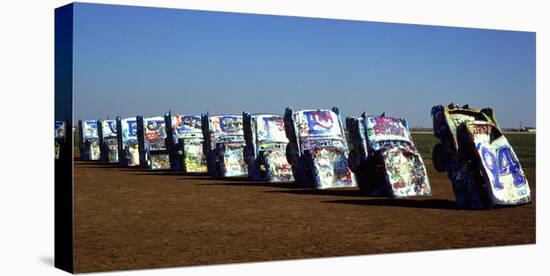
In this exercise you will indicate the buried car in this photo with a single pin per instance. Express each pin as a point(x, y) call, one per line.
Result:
point(265, 151)
point(384, 157)
point(60, 138)
point(478, 158)
point(151, 134)
point(108, 141)
point(186, 143)
point(317, 149)
point(128, 149)
point(224, 145)
point(89, 140)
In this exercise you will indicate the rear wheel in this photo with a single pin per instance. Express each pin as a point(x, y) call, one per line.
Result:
point(439, 158)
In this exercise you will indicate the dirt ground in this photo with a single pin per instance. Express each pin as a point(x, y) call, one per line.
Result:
point(129, 219)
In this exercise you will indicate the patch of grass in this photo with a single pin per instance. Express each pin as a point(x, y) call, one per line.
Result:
point(524, 146)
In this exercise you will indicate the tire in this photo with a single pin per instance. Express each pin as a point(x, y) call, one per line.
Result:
point(439, 158)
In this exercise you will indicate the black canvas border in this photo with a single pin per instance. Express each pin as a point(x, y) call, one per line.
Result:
point(63, 190)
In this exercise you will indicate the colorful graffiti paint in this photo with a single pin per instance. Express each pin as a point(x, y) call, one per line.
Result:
point(188, 128)
point(89, 143)
point(183, 124)
point(59, 130)
point(233, 163)
point(110, 143)
point(276, 166)
point(226, 124)
point(265, 148)
point(320, 122)
point(224, 145)
point(132, 154)
point(92, 149)
point(270, 128)
point(109, 129)
point(317, 149)
point(159, 161)
point(154, 143)
point(129, 141)
point(59, 137)
point(385, 158)
point(89, 129)
point(155, 133)
point(112, 150)
point(331, 168)
point(386, 129)
point(405, 172)
point(194, 160)
point(477, 157)
point(501, 167)
point(129, 130)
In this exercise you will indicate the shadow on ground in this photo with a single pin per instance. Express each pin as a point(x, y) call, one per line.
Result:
point(327, 192)
point(396, 202)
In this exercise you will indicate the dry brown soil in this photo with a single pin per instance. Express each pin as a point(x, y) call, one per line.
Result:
point(128, 219)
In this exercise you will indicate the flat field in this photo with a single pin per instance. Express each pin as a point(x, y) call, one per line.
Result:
point(129, 219)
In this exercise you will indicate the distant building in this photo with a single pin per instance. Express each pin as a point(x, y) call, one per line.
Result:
point(528, 129)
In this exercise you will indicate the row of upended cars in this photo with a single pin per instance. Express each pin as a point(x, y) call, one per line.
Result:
point(310, 148)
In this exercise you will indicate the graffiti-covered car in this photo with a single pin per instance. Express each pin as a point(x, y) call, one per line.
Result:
point(224, 145)
point(478, 158)
point(384, 157)
point(265, 151)
point(108, 141)
point(89, 140)
point(128, 148)
point(60, 138)
point(317, 149)
point(151, 133)
point(186, 143)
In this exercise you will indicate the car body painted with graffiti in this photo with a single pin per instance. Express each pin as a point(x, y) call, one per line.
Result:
point(265, 151)
point(478, 158)
point(108, 141)
point(384, 157)
point(186, 143)
point(224, 145)
point(89, 139)
point(317, 149)
point(128, 148)
point(151, 133)
point(60, 138)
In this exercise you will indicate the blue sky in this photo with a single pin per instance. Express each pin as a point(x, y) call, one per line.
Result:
point(145, 61)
